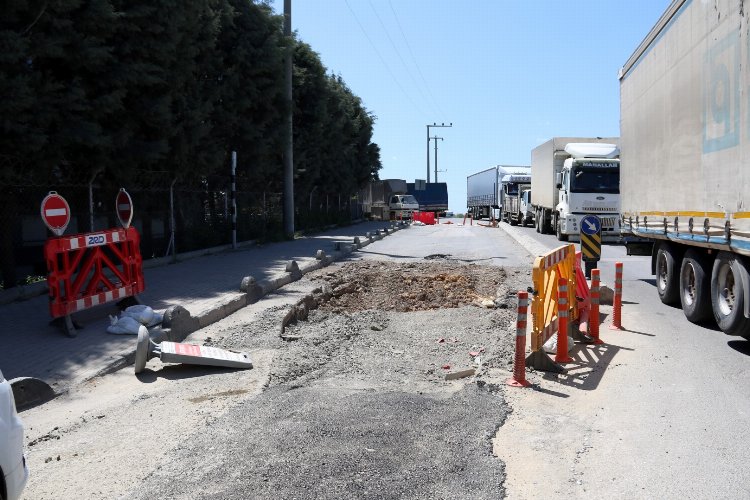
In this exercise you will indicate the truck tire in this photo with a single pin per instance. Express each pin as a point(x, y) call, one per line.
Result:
point(558, 229)
point(513, 220)
point(667, 276)
point(728, 276)
point(695, 286)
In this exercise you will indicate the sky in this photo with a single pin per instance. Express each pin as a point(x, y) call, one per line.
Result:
point(508, 75)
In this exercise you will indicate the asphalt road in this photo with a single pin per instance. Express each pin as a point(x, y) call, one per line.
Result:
point(659, 411)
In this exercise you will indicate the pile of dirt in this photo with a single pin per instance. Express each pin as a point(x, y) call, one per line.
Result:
point(412, 286)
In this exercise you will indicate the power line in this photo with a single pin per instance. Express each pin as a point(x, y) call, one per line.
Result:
point(414, 59)
point(383, 60)
point(398, 53)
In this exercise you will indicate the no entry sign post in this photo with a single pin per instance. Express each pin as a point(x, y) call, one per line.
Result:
point(124, 208)
point(55, 213)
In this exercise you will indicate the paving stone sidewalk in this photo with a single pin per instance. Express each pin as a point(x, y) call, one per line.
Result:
point(31, 347)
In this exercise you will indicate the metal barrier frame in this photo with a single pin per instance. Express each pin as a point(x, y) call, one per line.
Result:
point(548, 268)
point(82, 275)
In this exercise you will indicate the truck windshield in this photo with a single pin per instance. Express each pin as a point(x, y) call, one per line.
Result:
point(595, 180)
point(409, 199)
point(511, 188)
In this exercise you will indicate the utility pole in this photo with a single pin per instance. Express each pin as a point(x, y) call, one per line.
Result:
point(435, 138)
point(289, 139)
point(428, 147)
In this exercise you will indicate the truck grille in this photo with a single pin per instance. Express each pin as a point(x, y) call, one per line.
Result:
point(607, 221)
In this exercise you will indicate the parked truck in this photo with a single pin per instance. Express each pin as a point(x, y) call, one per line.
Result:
point(515, 200)
point(484, 191)
point(685, 127)
point(572, 177)
point(388, 199)
point(432, 197)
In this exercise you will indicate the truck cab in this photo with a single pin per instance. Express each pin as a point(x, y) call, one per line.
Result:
point(402, 206)
point(511, 187)
point(589, 183)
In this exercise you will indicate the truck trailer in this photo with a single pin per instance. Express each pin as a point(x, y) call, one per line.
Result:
point(484, 190)
point(432, 197)
point(572, 177)
point(482, 193)
point(685, 127)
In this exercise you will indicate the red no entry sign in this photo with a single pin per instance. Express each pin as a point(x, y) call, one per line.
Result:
point(55, 213)
point(124, 208)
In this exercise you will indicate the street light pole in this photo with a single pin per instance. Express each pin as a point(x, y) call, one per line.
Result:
point(428, 147)
point(435, 138)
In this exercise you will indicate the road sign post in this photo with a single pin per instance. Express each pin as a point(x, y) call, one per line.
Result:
point(173, 352)
point(55, 213)
point(591, 242)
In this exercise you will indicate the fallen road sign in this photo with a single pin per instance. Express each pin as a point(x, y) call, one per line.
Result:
point(173, 352)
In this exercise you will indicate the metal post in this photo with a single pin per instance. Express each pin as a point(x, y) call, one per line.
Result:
point(234, 200)
point(172, 243)
point(428, 154)
point(91, 199)
point(289, 146)
point(435, 138)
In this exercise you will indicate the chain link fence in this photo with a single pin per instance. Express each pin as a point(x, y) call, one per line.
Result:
point(172, 217)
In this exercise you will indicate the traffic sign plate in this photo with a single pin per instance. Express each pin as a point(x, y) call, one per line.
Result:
point(55, 213)
point(124, 208)
point(591, 225)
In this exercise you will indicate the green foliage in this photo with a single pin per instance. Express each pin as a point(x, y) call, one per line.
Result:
point(130, 91)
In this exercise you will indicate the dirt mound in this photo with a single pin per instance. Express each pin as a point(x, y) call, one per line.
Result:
point(412, 286)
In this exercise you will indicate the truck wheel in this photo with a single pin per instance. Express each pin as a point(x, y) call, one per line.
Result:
point(513, 220)
point(695, 287)
point(667, 278)
point(558, 229)
point(728, 294)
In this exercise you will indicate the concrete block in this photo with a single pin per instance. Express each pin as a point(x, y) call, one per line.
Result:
point(29, 392)
point(293, 269)
point(606, 295)
point(179, 322)
point(357, 243)
point(253, 291)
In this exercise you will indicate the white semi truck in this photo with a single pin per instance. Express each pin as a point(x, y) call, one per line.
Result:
point(685, 127)
point(572, 177)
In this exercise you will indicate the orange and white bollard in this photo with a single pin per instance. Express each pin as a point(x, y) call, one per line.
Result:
point(562, 322)
point(519, 366)
point(594, 316)
point(617, 303)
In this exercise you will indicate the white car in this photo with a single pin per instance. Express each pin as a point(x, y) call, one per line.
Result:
point(13, 470)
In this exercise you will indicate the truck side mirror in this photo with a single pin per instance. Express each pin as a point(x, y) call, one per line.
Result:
point(559, 186)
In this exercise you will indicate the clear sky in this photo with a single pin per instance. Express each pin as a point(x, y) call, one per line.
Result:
point(508, 74)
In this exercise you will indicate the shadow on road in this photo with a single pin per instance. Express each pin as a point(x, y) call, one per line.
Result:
point(179, 372)
point(741, 346)
point(589, 364)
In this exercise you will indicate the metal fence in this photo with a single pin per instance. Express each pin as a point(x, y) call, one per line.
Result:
point(171, 216)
